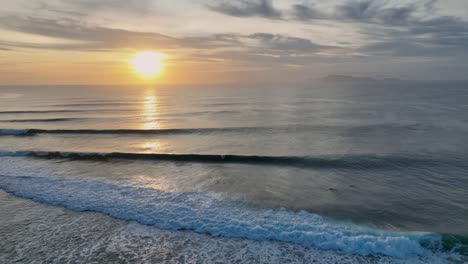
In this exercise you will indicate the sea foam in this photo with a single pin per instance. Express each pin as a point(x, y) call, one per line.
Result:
point(210, 214)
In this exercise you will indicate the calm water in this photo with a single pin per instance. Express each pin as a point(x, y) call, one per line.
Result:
point(377, 170)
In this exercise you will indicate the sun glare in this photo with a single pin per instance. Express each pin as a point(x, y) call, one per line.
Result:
point(148, 64)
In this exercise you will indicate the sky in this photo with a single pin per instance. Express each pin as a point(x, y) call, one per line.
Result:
point(230, 42)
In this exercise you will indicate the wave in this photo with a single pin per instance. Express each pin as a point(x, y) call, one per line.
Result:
point(92, 104)
point(291, 128)
point(209, 213)
point(42, 111)
point(40, 120)
point(32, 132)
point(324, 162)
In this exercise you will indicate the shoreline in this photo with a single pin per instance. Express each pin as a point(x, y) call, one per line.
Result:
point(31, 229)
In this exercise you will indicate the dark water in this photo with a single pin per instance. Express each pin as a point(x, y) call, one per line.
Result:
point(363, 169)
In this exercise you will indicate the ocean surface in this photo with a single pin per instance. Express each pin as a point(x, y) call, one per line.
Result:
point(331, 173)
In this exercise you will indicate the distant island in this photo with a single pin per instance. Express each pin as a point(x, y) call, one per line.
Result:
point(347, 78)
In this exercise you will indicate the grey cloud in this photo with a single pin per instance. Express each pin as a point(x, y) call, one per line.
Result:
point(449, 32)
point(82, 8)
point(430, 5)
point(404, 48)
point(87, 5)
point(89, 37)
point(215, 40)
point(286, 43)
point(273, 49)
point(367, 11)
point(442, 36)
point(404, 30)
point(356, 10)
point(74, 30)
point(304, 12)
point(446, 24)
point(374, 12)
point(55, 46)
point(393, 31)
point(247, 8)
point(99, 38)
point(96, 37)
point(274, 44)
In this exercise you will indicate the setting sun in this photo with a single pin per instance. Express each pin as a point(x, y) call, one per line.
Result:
point(148, 64)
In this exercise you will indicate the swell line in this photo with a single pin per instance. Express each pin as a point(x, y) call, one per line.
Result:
point(40, 120)
point(325, 162)
point(32, 132)
point(359, 128)
point(41, 111)
point(92, 104)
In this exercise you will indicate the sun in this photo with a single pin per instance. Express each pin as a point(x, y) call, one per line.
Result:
point(148, 63)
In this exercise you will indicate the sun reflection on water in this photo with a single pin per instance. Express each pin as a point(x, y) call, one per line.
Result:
point(151, 147)
point(151, 112)
point(150, 120)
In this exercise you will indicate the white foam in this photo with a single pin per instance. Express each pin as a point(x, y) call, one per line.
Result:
point(95, 238)
point(207, 213)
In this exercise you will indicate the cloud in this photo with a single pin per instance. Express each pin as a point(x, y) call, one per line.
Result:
point(304, 12)
point(403, 48)
point(83, 7)
point(93, 4)
point(367, 31)
point(247, 8)
point(78, 36)
point(435, 37)
point(449, 33)
point(391, 30)
point(374, 12)
point(364, 11)
point(286, 43)
point(94, 37)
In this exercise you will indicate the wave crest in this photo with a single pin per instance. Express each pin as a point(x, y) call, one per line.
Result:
point(344, 161)
point(210, 214)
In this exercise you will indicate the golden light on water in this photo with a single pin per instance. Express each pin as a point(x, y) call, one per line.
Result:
point(148, 64)
point(150, 112)
point(151, 146)
point(150, 120)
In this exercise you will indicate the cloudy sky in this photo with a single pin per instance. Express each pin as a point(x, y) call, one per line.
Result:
point(244, 41)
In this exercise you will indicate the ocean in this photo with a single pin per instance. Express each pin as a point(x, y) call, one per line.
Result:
point(329, 173)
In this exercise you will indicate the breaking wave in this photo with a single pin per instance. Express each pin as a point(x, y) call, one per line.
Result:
point(209, 213)
point(345, 161)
